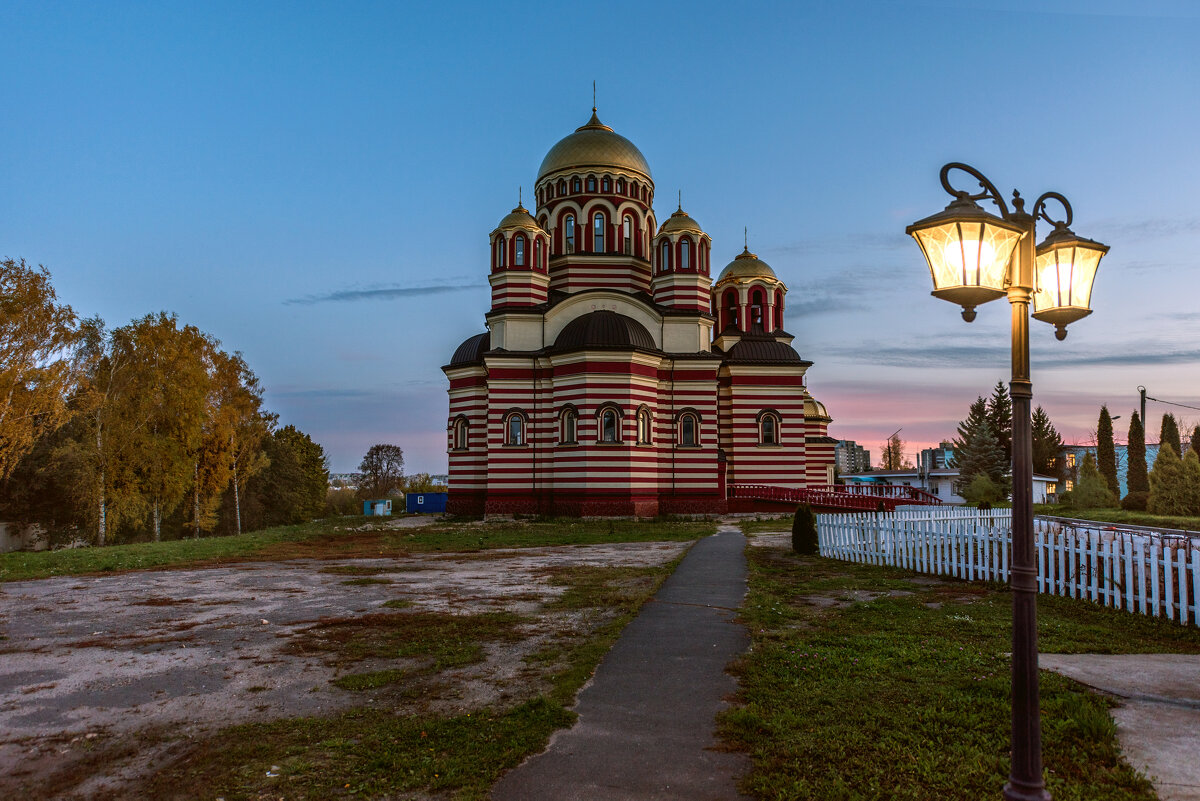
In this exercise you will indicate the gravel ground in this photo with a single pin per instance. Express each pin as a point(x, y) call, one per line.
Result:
point(144, 659)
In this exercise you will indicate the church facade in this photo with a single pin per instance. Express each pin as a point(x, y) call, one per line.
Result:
point(616, 377)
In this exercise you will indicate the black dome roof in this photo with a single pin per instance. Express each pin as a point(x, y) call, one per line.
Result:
point(604, 329)
point(763, 350)
point(472, 350)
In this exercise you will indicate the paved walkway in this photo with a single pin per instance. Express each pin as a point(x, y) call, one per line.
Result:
point(645, 728)
point(1158, 721)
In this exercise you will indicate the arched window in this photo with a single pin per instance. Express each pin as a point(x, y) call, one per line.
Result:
point(704, 250)
point(537, 254)
point(620, 186)
point(664, 256)
point(500, 251)
point(461, 434)
point(729, 309)
point(519, 246)
point(598, 232)
point(606, 185)
point(562, 188)
point(514, 429)
point(610, 425)
point(756, 307)
point(768, 428)
point(778, 309)
point(689, 429)
point(575, 185)
point(685, 254)
point(569, 426)
point(643, 426)
point(569, 232)
point(591, 183)
point(627, 236)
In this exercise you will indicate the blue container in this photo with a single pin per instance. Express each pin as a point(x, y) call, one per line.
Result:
point(425, 502)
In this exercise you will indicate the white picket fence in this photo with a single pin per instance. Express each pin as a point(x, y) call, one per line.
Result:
point(1146, 572)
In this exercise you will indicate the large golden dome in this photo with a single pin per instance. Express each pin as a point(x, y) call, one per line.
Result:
point(747, 265)
point(594, 145)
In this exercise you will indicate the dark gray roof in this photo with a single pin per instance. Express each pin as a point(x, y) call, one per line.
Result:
point(763, 350)
point(472, 350)
point(604, 329)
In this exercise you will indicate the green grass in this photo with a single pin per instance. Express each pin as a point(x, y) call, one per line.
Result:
point(906, 696)
point(1120, 516)
point(341, 538)
point(378, 753)
point(782, 525)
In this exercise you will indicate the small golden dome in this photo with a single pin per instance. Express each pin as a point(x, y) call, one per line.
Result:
point(679, 222)
point(518, 218)
point(814, 408)
point(594, 145)
point(747, 265)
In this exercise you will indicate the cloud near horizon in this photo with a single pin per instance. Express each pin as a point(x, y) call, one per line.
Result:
point(387, 292)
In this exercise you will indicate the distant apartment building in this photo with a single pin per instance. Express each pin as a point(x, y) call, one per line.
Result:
point(938, 458)
point(850, 457)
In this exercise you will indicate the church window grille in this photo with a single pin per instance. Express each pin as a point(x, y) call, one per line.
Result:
point(664, 256)
point(569, 232)
point(591, 183)
point(461, 434)
point(514, 429)
point(768, 429)
point(689, 430)
point(570, 425)
point(606, 185)
point(575, 185)
point(628, 235)
point(643, 426)
point(537, 254)
point(620, 186)
point(685, 255)
point(519, 251)
point(500, 248)
point(562, 188)
point(610, 425)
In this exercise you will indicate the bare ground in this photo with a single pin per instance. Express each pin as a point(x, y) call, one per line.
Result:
point(103, 677)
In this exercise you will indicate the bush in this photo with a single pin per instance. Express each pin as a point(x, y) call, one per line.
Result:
point(1066, 498)
point(982, 492)
point(804, 531)
point(1135, 501)
point(340, 502)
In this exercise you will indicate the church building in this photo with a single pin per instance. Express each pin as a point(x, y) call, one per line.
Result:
point(616, 377)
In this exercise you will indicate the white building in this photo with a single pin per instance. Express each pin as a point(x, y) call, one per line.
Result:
point(941, 482)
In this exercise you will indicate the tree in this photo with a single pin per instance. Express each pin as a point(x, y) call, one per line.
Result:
point(1106, 452)
point(999, 414)
point(291, 488)
point(1195, 440)
point(1092, 491)
point(382, 470)
point(422, 482)
point(892, 457)
point(1046, 444)
point(1169, 434)
point(1168, 491)
point(1191, 482)
point(1136, 471)
point(976, 450)
point(37, 339)
point(982, 490)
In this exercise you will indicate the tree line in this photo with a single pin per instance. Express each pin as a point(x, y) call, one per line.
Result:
point(146, 431)
point(1170, 487)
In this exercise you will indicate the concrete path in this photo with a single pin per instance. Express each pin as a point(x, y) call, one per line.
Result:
point(1158, 722)
point(645, 728)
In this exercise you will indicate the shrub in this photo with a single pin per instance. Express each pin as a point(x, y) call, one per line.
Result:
point(982, 491)
point(1135, 501)
point(804, 531)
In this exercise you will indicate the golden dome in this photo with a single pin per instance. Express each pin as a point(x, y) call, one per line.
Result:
point(518, 218)
point(814, 408)
point(747, 265)
point(594, 145)
point(680, 222)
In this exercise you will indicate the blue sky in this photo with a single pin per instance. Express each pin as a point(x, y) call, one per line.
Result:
point(314, 183)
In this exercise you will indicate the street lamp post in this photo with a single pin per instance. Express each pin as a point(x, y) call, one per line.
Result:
point(974, 257)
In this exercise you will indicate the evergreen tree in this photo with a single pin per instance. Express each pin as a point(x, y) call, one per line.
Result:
point(1106, 452)
point(976, 451)
point(1191, 482)
point(1170, 434)
point(1046, 444)
point(1136, 474)
point(1168, 494)
point(1000, 417)
point(1092, 490)
point(1195, 441)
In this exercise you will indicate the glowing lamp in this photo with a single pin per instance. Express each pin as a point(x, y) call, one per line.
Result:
point(1065, 268)
point(968, 251)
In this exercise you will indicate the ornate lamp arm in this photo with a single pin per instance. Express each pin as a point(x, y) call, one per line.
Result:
point(990, 192)
point(1039, 210)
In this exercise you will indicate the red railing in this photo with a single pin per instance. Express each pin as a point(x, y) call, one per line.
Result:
point(864, 497)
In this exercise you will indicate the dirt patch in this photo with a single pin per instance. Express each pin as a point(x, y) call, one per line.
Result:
point(148, 662)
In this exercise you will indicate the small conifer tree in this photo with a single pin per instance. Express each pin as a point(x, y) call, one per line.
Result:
point(1092, 490)
point(1191, 483)
point(1169, 434)
point(1136, 472)
point(1168, 495)
point(804, 531)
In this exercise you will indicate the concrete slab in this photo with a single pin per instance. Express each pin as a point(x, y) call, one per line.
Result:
point(1158, 722)
point(646, 720)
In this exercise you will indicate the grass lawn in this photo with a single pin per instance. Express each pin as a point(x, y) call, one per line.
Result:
point(341, 538)
point(1120, 516)
point(874, 683)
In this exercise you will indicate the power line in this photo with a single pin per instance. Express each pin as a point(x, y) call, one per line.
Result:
point(1172, 403)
